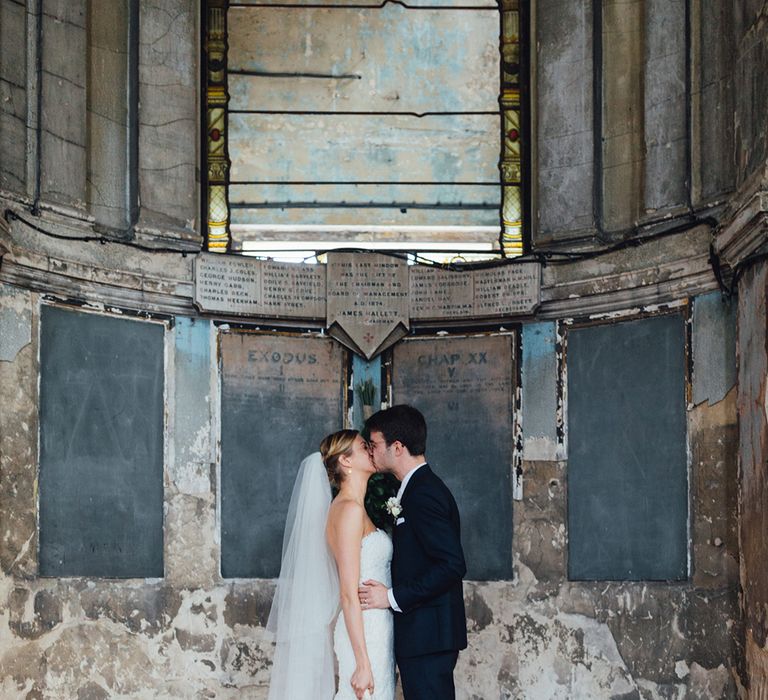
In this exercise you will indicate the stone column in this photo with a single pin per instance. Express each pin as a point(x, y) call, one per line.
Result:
point(109, 195)
point(13, 96)
point(168, 116)
point(564, 147)
point(63, 137)
point(622, 177)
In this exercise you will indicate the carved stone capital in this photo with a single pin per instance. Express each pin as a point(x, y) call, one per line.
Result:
point(746, 232)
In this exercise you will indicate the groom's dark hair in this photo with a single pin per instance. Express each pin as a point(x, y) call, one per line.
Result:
point(403, 423)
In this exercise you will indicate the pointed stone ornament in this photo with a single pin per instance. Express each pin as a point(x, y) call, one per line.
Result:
point(5, 237)
point(367, 304)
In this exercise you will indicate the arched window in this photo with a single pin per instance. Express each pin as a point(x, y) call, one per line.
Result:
point(360, 124)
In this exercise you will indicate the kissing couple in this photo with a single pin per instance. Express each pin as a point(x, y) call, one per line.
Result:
point(346, 588)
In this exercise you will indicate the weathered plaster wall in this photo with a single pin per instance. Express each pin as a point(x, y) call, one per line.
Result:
point(189, 635)
point(194, 635)
point(18, 428)
point(638, 640)
point(540, 404)
point(753, 493)
point(713, 338)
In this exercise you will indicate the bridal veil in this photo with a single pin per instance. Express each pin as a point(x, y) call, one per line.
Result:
point(307, 597)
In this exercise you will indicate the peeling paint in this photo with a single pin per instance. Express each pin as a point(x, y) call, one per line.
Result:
point(539, 387)
point(714, 348)
point(191, 431)
point(194, 635)
point(15, 322)
point(648, 309)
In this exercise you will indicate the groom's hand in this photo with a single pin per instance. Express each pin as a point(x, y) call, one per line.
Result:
point(373, 594)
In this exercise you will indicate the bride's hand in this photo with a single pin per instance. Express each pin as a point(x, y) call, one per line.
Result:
point(362, 680)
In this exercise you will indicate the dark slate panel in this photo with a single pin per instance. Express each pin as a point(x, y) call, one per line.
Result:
point(627, 463)
point(465, 389)
point(101, 445)
point(280, 395)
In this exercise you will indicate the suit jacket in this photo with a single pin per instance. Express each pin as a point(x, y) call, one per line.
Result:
point(427, 569)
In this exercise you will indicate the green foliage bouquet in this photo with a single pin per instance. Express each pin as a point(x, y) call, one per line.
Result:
point(366, 392)
point(381, 486)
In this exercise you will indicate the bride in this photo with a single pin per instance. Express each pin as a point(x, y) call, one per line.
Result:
point(329, 547)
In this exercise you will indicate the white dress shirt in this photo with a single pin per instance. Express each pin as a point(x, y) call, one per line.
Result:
point(392, 602)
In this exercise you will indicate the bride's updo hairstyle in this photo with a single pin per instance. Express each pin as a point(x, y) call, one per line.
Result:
point(332, 447)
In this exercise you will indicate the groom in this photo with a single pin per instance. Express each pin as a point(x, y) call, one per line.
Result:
point(427, 563)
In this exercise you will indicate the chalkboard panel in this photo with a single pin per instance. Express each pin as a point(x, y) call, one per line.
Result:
point(101, 445)
point(464, 388)
point(627, 467)
point(280, 395)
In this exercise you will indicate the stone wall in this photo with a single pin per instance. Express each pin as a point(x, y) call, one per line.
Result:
point(99, 114)
point(193, 634)
point(634, 111)
point(616, 105)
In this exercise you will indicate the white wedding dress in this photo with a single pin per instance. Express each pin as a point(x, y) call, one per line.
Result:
point(375, 557)
point(306, 603)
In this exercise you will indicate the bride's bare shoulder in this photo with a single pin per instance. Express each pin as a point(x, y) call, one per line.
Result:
point(345, 516)
point(346, 509)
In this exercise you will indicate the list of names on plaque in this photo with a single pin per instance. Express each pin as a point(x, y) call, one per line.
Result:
point(511, 289)
point(291, 290)
point(227, 283)
point(436, 293)
point(367, 297)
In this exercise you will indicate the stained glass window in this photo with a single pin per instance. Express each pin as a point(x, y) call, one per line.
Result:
point(344, 124)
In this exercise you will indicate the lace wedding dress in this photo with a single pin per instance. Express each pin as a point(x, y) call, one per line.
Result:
point(375, 556)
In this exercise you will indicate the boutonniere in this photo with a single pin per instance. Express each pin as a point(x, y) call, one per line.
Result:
point(393, 507)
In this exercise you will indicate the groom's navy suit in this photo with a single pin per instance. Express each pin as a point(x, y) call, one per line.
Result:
point(427, 569)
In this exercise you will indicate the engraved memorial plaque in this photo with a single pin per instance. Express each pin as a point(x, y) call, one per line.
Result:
point(293, 291)
point(508, 290)
point(464, 386)
point(280, 395)
point(228, 284)
point(436, 293)
point(367, 301)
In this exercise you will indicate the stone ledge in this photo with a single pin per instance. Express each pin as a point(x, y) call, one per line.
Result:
point(746, 233)
point(167, 234)
point(137, 297)
point(654, 273)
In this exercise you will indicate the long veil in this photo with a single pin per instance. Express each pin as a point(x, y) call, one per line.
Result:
point(307, 597)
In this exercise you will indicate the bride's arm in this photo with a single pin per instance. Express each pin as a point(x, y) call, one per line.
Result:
point(345, 538)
